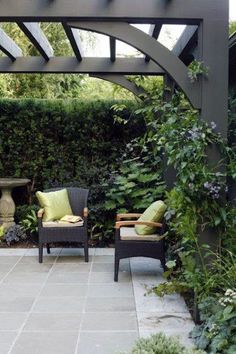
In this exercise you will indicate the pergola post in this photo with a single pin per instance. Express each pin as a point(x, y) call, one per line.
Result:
point(213, 52)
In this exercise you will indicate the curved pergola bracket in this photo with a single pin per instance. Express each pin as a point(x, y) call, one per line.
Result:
point(150, 47)
point(122, 81)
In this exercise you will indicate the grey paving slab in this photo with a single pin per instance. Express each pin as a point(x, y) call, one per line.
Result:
point(26, 277)
point(103, 259)
point(19, 289)
point(108, 277)
point(12, 251)
point(15, 303)
point(58, 304)
point(4, 267)
point(53, 322)
point(9, 259)
point(68, 278)
point(11, 321)
point(169, 303)
point(6, 340)
point(73, 251)
point(110, 290)
point(71, 259)
point(109, 321)
point(78, 290)
point(71, 268)
point(165, 322)
point(31, 268)
point(110, 304)
point(109, 267)
point(34, 260)
point(34, 251)
point(45, 343)
point(106, 342)
point(54, 304)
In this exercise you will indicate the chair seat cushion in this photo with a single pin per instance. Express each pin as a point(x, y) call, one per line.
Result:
point(59, 224)
point(129, 234)
point(155, 213)
point(56, 204)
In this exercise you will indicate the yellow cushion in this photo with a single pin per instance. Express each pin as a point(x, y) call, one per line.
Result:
point(155, 213)
point(56, 204)
point(129, 234)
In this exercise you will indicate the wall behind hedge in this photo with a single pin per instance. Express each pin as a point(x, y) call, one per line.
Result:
point(64, 142)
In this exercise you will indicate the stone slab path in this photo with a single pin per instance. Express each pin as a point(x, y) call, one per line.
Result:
point(66, 306)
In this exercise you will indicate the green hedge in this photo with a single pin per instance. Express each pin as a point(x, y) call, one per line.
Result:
point(65, 143)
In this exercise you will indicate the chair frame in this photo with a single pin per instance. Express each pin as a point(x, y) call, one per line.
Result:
point(129, 248)
point(78, 234)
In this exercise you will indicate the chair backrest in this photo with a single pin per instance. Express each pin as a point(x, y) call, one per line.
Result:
point(77, 196)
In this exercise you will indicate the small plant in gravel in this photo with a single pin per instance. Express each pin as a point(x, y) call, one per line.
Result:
point(14, 234)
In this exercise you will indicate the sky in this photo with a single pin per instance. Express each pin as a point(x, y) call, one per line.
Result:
point(232, 10)
point(168, 37)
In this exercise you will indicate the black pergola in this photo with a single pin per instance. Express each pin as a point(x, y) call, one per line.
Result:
point(205, 39)
point(207, 26)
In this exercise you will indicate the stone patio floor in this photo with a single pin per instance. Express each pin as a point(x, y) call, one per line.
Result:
point(66, 306)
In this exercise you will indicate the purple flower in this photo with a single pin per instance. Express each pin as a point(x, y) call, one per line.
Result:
point(213, 125)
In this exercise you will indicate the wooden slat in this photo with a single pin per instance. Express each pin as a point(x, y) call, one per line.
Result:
point(75, 41)
point(122, 66)
point(8, 46)
point(112, 49)
point(154, 32)
point(37, 37)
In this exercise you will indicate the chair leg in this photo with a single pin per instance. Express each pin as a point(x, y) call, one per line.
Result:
point(163, 262)
point(48, 249)
point(40, 253)
point(116, 270)
point(86, 255)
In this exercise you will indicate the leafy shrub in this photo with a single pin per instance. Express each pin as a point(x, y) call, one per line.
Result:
point(30, 223)
point(161, 344)
point(217, 333)
point(61, 143)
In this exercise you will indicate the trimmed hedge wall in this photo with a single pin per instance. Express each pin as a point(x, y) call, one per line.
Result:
point(64, 143)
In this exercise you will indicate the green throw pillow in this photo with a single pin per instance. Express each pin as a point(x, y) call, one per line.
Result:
point(154, 212)
point(56, 204)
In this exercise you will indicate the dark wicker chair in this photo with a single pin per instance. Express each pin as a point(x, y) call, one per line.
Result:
point(78, 201)
point(129, 244)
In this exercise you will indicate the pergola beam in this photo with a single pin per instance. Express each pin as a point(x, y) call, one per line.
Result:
point(37, 38)
point(120, 80)
point(154, 32)
point(149, 46)
point(177, 11)
point(112, 49)
point(122, 66)
point(75, 41)
point(8, 46)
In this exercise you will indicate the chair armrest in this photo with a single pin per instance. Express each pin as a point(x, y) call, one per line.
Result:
point(134, 222)
point(85, 212)
point(127, 216)
point(40, 213)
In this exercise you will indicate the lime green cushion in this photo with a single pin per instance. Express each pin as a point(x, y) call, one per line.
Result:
point(56, 204)
point(155, 213)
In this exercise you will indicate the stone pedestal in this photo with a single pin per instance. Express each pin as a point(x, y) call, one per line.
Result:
point(7, 205)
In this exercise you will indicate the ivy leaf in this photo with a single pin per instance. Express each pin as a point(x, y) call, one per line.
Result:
point(171, 264)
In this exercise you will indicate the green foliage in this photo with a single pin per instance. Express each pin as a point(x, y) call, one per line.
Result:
point(232, 27)
point(197, 69)
point(30, 223)
point(217, 333)
point(66, 143)
point(161, 344)
point(2, 231)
